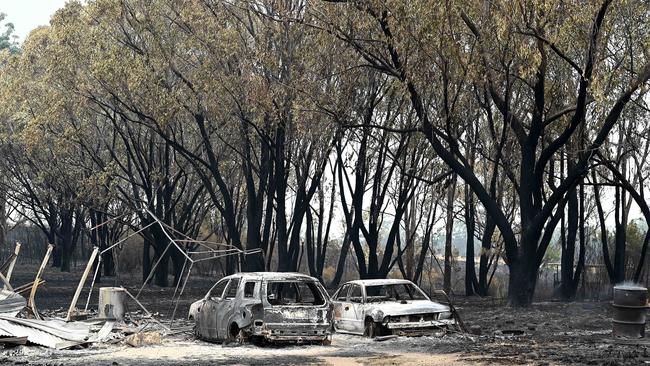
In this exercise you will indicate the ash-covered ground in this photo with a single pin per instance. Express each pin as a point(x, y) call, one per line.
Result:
point(547, 333)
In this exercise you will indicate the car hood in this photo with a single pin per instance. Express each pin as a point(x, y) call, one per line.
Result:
point(194, 309)
point(393, 308)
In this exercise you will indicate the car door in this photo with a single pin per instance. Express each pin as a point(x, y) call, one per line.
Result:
point(347, 312)
point(225, 308)
point(206, 318)
point(339, 300)
point(354, 311)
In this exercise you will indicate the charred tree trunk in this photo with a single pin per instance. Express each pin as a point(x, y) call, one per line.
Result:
point(449, 230)
point(523, 279)
point(620, 235)
point(3, 215)
point(568, 249)
point(340, 266)
point(146, 259)
point(426, 240)
point(65, 239)
point(178, 262)
point(603, 230)
point(486, 254)
point(471, 284)
point(309, 245)
point(409, 252)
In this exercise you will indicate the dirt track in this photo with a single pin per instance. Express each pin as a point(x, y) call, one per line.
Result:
point(345, 350)
point(548, 333)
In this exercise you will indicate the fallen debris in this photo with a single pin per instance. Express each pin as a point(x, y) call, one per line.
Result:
point(14, 341)
point(27, 287)
point(11, 264)
point(454, 311)
point(52, 333)
point(11, 303)
point(385, 338)
point(31, 304)
point(144, 338)
point(513, 331)
point(104, 333)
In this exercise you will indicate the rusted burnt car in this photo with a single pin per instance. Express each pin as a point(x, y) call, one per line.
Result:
point(264, 306)
point(382, 307)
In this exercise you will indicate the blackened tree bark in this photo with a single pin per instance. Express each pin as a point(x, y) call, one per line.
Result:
point(340, 265)
point(426, 239)
point(471, 283)
point(449, 233)
point(603, 228)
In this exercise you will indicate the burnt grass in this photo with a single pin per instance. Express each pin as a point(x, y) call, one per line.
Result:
point(546, 333)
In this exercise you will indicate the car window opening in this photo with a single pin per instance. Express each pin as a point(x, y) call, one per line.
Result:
point(249, 289)
point(393, 292)
point(217, 290)
point(342, 295)
point(231, 293)
point(294, 293)
point(356, 295)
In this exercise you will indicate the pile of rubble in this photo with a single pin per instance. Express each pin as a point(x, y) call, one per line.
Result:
point(21, 323)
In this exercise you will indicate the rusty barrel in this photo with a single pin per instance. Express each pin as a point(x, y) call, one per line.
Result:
point(630, 304)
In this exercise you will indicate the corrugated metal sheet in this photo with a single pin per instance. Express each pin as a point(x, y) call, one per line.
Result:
point(103, 332)
point(11, 303)
point(33, 335)
point(72, 331)
point(53, 333)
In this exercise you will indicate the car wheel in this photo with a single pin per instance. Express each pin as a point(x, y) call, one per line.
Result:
point(233, 332)
point(372, 329)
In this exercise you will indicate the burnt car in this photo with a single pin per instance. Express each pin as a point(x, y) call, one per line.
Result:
point(264, 306)
point(382, 307)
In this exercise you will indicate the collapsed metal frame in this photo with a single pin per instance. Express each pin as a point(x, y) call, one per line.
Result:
point(166, 229)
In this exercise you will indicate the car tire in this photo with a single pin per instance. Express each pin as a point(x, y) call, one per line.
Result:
point(372, 329)
point(233, 334)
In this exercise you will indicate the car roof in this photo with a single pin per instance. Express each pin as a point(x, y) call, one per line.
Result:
point(270, 276)
point(387, 281)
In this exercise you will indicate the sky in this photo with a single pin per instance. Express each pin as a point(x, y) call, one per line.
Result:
point(29, 14)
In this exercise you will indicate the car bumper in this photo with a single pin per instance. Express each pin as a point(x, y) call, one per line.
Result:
point(294, 332)
point(405, 326)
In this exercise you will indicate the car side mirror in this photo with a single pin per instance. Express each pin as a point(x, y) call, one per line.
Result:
point(272, 297)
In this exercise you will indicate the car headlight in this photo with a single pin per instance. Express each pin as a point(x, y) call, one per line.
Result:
point(444, 315)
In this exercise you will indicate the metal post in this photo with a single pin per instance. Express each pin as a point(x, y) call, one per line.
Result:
point(13, 263)
point(32, 294)
point(89, 266)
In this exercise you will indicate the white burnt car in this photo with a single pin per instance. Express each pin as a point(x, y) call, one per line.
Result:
point(382, 307)
point(264, 306)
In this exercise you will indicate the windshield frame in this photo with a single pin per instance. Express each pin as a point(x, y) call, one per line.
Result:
point(414, 287)
point(307, 282)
